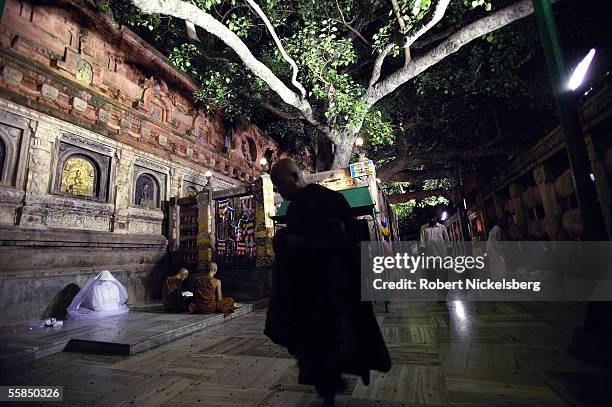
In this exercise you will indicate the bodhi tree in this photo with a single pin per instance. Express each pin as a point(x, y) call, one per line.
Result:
point(324, 64)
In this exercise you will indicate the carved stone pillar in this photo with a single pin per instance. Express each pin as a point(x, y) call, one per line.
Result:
point(520, 216)
point(34, 213)
point(545, 183)
point(123, 187)
point(206, 229)
point(174, 226)
point(176, 183)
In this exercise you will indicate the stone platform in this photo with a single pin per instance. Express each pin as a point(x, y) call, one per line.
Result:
point(145, 327)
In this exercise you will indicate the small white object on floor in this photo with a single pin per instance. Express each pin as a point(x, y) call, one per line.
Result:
point(52, 322)
point(187, 294)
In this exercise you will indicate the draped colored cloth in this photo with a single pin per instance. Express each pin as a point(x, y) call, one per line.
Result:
point(205, 298)
point(315, 309)
point(172, 297)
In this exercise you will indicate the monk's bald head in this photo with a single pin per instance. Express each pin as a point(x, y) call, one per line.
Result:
point(287, 178)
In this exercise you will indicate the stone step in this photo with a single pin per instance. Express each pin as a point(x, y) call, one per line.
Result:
point(134, 332)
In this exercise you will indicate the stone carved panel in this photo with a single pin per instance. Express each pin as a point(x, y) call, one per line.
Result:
point(14, 135)
point(142, 221)
point(78, 220)
point(70, 213)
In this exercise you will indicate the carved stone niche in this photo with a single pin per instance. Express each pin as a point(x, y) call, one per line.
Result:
point(155, 101)
point(150, 181)
point(14, 141)
point(84, 168)
point(192, 184)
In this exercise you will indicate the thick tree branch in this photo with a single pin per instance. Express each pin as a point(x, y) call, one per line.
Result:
point(280, 47)
point(187, 11)
point(418, 195)
point(390, 169)
point(435, 18)
point(433, 38)
point(206, 53)
point(402, 24)
point(279, 112)
point(423, 175)
point(380, 59)
point(485, 25)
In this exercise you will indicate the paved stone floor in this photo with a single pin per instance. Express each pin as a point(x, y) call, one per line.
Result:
point(484, 354)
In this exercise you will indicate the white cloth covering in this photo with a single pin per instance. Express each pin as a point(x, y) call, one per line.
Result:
point(102, 296)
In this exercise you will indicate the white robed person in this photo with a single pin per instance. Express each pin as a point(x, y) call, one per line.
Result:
point(495, 249)
point(102, 296)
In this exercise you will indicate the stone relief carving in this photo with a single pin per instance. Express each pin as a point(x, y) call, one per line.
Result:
point(87, 143)
point(84, 72)
point(38, 168)
point(77, 220)
point(155, 100)
point(144, 162)
point(143, 221)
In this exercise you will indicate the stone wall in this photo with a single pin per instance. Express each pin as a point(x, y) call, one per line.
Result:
point(97, 132)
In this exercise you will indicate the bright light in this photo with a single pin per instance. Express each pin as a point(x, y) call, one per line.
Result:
point(263, 161)
point(444, 216)
point(208, 174)
point(581, 70)
point(592, 177)
point(464, 204)
point(358, 141)
point(459, 310)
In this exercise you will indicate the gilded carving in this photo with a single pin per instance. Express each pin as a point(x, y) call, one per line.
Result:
point(78, 177)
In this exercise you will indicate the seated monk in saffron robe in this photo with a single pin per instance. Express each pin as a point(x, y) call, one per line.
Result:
point(208, 298)
point(172, 292)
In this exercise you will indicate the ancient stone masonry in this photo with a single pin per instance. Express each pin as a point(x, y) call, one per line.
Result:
point(97, 132)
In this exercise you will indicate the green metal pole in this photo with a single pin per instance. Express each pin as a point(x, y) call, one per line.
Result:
point(592, 342)
point(570, 123)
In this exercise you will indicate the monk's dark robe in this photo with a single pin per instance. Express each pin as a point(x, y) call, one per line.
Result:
point(205, 298)
point(315, 308)
point(172, 297)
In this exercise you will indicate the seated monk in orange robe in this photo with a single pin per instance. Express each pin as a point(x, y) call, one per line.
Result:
point(208, 297)
point(172, 290)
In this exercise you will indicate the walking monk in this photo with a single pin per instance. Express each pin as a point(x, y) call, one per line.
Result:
point(208, 297)
point(315, 307)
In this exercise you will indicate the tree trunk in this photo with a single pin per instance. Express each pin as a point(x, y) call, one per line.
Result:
point(325, 155)
point(344, 149)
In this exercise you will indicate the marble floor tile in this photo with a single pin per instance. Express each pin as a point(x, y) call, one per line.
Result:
point(467, 354)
